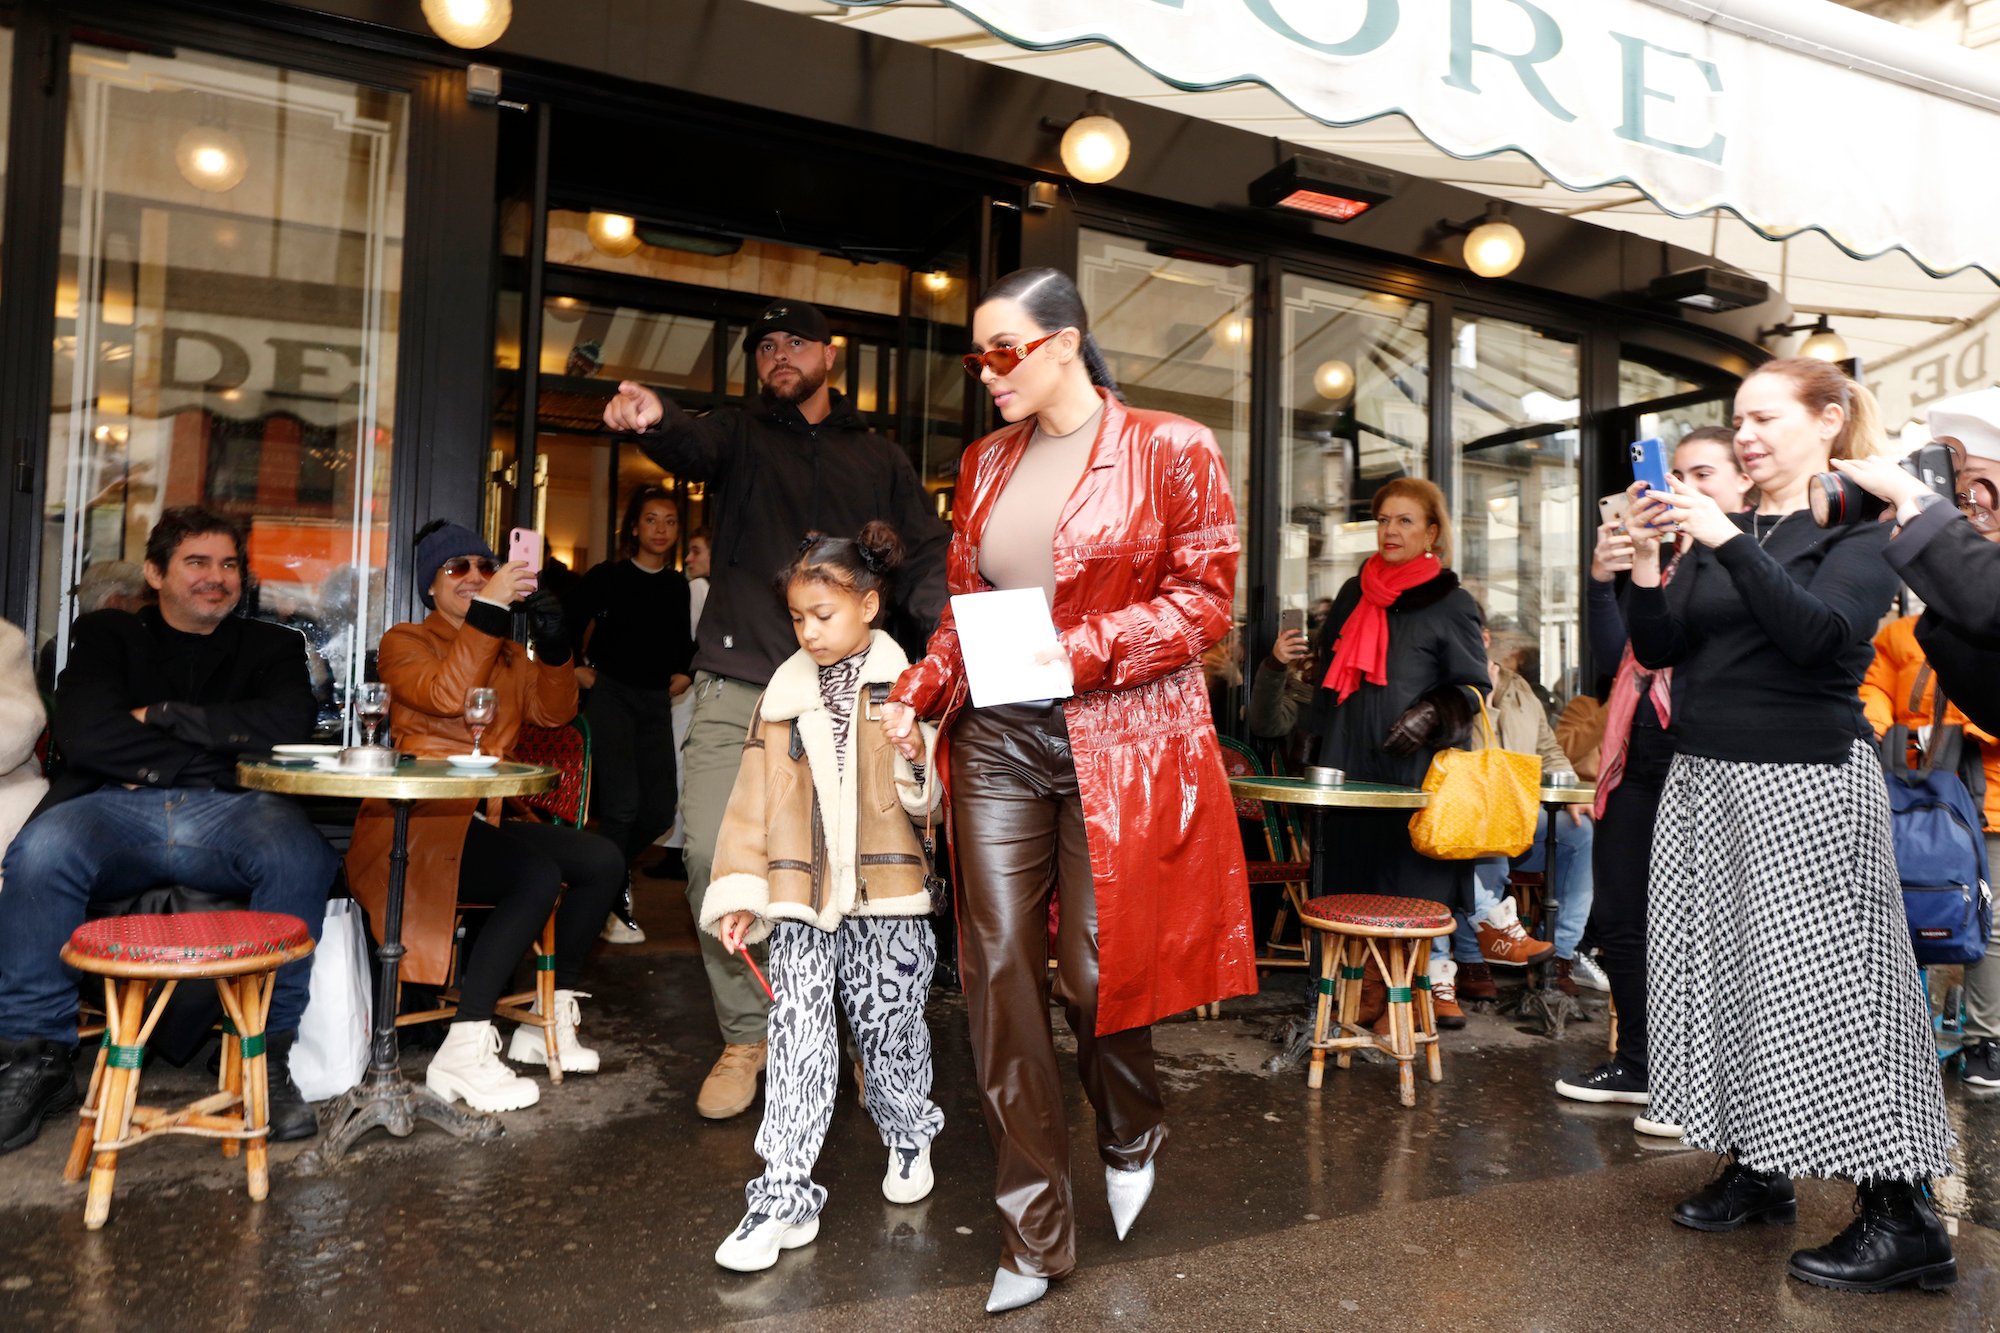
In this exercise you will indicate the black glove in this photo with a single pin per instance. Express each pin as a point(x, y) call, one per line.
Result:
point(1439, 719)
point(545, 626)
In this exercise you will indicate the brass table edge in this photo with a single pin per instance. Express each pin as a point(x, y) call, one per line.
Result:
point(393, 786)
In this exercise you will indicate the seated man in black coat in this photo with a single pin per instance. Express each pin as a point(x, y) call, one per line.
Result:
point(152, 710)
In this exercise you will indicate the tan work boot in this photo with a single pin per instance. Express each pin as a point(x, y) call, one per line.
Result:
point(732, 1085)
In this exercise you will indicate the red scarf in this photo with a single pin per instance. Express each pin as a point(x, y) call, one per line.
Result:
point(1362, 652)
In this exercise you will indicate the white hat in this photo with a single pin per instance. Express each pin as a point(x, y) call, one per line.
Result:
point(1973, 419)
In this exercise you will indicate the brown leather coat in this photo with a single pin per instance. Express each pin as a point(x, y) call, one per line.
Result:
point(1145, 557)
point(806, 840)
point(428, 668)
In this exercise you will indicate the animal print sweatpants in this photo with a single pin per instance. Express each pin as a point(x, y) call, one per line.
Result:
point(880, 967)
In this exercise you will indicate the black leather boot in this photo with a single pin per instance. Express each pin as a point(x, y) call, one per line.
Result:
point(1738, 1195)
point(36, 1082)
point(1895, 1239)
point(292, 1115)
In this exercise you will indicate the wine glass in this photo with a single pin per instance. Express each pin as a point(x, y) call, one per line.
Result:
point(480, 703)
point(371, 701)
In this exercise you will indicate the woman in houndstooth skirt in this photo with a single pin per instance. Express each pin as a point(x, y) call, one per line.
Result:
point(1790, 1031)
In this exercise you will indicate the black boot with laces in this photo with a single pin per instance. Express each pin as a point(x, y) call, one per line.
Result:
point(1737, 1195)
point(1894, 1240)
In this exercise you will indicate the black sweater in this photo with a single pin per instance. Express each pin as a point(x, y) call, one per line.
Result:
point(1957, 573)
point(209, 697)
point(638, 624)
point(1769, 644)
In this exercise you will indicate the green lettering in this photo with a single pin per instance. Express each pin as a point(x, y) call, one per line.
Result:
point(1636, 90)
point(1377, 27)
point(1548, 43)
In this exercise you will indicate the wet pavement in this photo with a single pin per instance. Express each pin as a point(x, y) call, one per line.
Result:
point(1493, 1204)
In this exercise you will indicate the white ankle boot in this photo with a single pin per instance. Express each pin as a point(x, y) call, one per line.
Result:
point(1127, 1192)
point(755, 1243)
point(530, 1047)
point(468, 1065)
point(1013, 1290)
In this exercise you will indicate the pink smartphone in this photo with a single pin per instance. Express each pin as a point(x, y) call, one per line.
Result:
point(525, 545)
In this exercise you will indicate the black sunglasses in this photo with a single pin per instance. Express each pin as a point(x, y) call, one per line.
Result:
point(460, 565)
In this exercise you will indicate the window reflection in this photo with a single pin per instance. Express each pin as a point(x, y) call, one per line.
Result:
point(1356, 400)
point(226, 317)
point(1515, 498)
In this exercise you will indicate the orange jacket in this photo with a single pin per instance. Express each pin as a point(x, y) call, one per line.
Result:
point(1145, 556)
point(1900, 689)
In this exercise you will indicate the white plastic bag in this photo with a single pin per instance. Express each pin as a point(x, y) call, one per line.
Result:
point(331, 1052)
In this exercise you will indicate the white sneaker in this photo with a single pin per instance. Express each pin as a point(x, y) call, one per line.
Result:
point(1584, 971)
point(909, 1178)
point(617, 932)
point(1659, 1129)
point(530, 1047)
point(754, 1245)
point(468, 1065)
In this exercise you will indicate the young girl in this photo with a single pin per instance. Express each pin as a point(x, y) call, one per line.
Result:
point(822, 851)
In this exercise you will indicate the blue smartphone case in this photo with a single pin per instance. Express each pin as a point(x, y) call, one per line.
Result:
point(1649, 464)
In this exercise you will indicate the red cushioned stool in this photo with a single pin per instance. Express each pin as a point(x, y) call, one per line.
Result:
point(1397, 934)
point(241, 953)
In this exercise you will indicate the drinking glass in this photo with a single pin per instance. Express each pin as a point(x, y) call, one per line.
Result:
point(479, 705)
point(371, 701)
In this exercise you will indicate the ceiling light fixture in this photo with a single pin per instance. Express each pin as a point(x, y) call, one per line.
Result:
point(1095, 147)
point(614, 234)
point(1333, 380)
point(1494, 247)
point(470, 24)
point(1322, 188)
point(1821, 344)
point(211, 158)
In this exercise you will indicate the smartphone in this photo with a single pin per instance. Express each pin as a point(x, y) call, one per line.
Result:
point(1613, 508)
point(1649, 464)
point(525, 545)
point(1292, 617)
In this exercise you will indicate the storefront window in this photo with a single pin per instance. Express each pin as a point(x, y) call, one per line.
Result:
point(226, 319)
point(1176, 332)
point(1668, 405)
point(1514, 401)
point(1356, 401)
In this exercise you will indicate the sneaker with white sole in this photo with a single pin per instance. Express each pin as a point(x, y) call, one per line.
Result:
point(1979, 1062)
point(1503, 941)
point(909, 1176)
point(757, 1240)
point(468, 1065)
point(1659, 1129)
point(617, 930)
point(530, 1047)
point(1611, 1081)
point(1585, 971)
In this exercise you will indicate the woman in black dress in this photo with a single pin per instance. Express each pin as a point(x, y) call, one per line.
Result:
point(1401, 631)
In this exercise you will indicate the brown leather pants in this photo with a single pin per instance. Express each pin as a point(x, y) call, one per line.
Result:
point(1020, 834)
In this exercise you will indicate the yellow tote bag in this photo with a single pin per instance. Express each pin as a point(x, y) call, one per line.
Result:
point(1483, 802)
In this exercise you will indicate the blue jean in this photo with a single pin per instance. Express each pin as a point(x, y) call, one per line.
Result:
point(114, 843)
point(1573, 886)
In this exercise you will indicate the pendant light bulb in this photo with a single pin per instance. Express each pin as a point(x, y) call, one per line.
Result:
point(1494, 249)
point(211, 158)
point(614, 234)
point(1095, 148)
point(1823, 344)
point(1334, 380)
point(469, 24)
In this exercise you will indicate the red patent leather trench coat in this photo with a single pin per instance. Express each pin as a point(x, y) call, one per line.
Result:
point(1145, 557)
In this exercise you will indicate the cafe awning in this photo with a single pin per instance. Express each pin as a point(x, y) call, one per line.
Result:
point(1832, 136)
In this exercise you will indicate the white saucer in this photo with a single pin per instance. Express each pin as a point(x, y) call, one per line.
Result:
point(305, 751)
point(472, 760)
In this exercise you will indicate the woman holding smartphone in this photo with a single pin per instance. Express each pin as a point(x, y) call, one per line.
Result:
point(1789, 1030)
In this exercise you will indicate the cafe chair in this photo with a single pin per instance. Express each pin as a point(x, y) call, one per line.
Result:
point(567, 750)
point(1285, 860)
point(241, 953)
point(1395, 933)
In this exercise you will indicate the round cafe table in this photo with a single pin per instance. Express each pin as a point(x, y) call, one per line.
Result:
point(384, 1097)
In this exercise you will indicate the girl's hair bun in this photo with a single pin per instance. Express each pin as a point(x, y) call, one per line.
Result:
point(880, 547)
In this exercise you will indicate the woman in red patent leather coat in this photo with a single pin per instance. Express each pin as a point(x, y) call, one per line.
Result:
point(1114, 799)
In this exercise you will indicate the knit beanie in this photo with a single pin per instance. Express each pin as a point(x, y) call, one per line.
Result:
point(438, 544)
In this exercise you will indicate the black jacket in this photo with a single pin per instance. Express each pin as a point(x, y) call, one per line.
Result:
point(771, 479)
point(250, 691)
point(1957, 573)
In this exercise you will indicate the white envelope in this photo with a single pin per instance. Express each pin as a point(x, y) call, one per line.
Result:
point(999, 636)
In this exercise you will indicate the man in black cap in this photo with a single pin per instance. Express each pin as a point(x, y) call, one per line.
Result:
point(797, 460)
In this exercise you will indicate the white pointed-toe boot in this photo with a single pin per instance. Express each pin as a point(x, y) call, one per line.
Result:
point(1013, 1290)
point(468, 1065)
point(1127, 1192)
point(530, 1047)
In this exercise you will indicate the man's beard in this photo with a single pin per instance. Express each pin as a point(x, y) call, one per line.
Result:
point(796, 391)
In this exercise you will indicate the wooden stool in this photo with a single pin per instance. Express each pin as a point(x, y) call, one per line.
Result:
point(1396, 933)
point(241, 953)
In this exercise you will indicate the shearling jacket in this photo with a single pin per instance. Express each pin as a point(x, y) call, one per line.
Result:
point(803, 839)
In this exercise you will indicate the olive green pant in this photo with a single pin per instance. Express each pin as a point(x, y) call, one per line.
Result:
point(710, 757)
point(1982, 979)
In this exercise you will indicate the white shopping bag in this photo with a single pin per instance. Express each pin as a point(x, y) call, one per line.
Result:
point(332, 1047)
